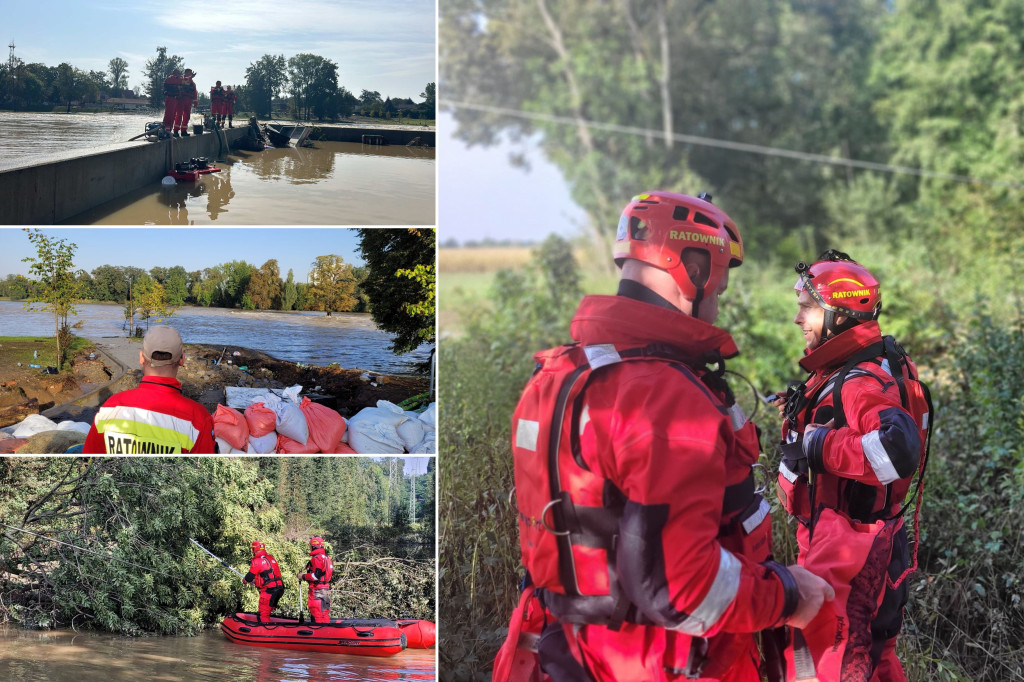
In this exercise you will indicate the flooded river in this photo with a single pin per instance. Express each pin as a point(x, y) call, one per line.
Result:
point(350, 339)
point(332, 183)
point(59, 655)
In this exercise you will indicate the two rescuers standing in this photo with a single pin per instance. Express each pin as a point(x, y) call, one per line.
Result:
point(646, 541)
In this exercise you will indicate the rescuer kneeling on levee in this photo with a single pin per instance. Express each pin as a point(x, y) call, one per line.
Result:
point(265, 574)
point(318, 573)
point(854, 435)
point(154, 418)
point(640, 526)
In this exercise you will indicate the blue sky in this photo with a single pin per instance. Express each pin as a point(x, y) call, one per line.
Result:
point(383, 45)
point(192, 248)
point(480, 194)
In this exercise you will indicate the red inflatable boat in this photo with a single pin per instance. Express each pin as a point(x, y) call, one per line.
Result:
point(419, 634)
point(190, 175)
point(368, 637)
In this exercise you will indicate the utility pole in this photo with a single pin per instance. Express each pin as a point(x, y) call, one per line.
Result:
point(412, 499)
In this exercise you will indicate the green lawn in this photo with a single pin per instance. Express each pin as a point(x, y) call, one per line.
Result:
point(20, 348)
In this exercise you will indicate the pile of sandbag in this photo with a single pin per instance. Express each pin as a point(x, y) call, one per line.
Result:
point(39, 435)
point(272, 424)
point(389, 430)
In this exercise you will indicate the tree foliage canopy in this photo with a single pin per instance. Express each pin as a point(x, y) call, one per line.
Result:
point(401, 302)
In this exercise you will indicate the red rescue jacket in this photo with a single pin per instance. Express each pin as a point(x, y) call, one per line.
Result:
point(864, 464)
point(216, 94)
point(265, 571)
point(172, 86)
point(634, 483)
point(188, 91)
point(154, 418)
point(319, 570)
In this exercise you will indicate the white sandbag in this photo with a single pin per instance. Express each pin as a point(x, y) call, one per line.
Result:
point(33, 424)
point(429, 415)
point(375, 439)
point(427, 446)
point(262, 445)
point(290, 420)
point(411, 431)
point(224, 448)
point(292, 394)
point(80, 427)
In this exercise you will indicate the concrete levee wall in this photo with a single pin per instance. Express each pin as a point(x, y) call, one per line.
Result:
point(390, 135)
point(55, 191)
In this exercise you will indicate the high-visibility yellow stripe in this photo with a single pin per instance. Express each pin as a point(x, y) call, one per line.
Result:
point(147, 425)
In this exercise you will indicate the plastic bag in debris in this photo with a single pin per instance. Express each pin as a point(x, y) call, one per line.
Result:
point(292, 393)
point(290, 420)
point(374, 430)
point(224, 448)
point(326, 427)
point(261, 419)
point(33, 424)
point(263, 445)
point(287, 446)
point(230, 425)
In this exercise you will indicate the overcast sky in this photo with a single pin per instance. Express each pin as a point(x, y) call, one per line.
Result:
point(383, 45)
point(192, 248)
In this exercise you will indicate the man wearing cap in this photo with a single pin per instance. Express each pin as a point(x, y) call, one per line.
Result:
point(154, 418)
point(187, 98)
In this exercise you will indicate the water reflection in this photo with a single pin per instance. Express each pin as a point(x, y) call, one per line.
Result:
point(55, 656)
point(331, 183)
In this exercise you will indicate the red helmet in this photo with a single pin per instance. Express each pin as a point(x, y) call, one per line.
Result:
point(658, 226)
point(841, 286)
point(257, 545)
point(315, 542)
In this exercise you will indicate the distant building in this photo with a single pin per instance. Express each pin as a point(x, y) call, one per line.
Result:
point(127, 104)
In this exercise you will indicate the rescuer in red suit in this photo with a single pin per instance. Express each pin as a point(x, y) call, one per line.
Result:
point(172, 86)
point(187, 98)
point(265, 574)
point(217, 104)
point(230, 96)
point(318, 573)
point(640, 525)
point(854, 435)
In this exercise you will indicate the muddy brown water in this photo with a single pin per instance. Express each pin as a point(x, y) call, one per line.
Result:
point(332, 183)
point(65, 655)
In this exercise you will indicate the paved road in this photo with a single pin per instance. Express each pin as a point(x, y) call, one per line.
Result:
point(125, 351)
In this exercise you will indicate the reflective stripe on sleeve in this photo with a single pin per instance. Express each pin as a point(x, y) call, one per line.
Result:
point(755, 519)
point(719, 597)
point(885, 472)
point(147, 425)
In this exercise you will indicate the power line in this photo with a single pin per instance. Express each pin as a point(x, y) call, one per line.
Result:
point(730, 145)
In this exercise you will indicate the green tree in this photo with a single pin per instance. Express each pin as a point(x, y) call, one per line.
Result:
point(70, 84)
point(118, 69)
point(314, 84)
point(157, 70)
point(332, 285)
point(264, 288)
point(428, 108)
point(401, 304)
point(264, 79)
point(289, 294)
point(176, 286)
point(151, 300)
point(53, 265)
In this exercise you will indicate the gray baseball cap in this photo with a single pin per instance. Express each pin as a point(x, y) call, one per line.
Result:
point(162, 338)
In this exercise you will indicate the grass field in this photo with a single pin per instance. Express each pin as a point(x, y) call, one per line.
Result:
point(19, 349)
point(466, 275)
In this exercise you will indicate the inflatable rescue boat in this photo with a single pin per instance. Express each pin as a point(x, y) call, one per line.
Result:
point(419, 634)
point(361, 637)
